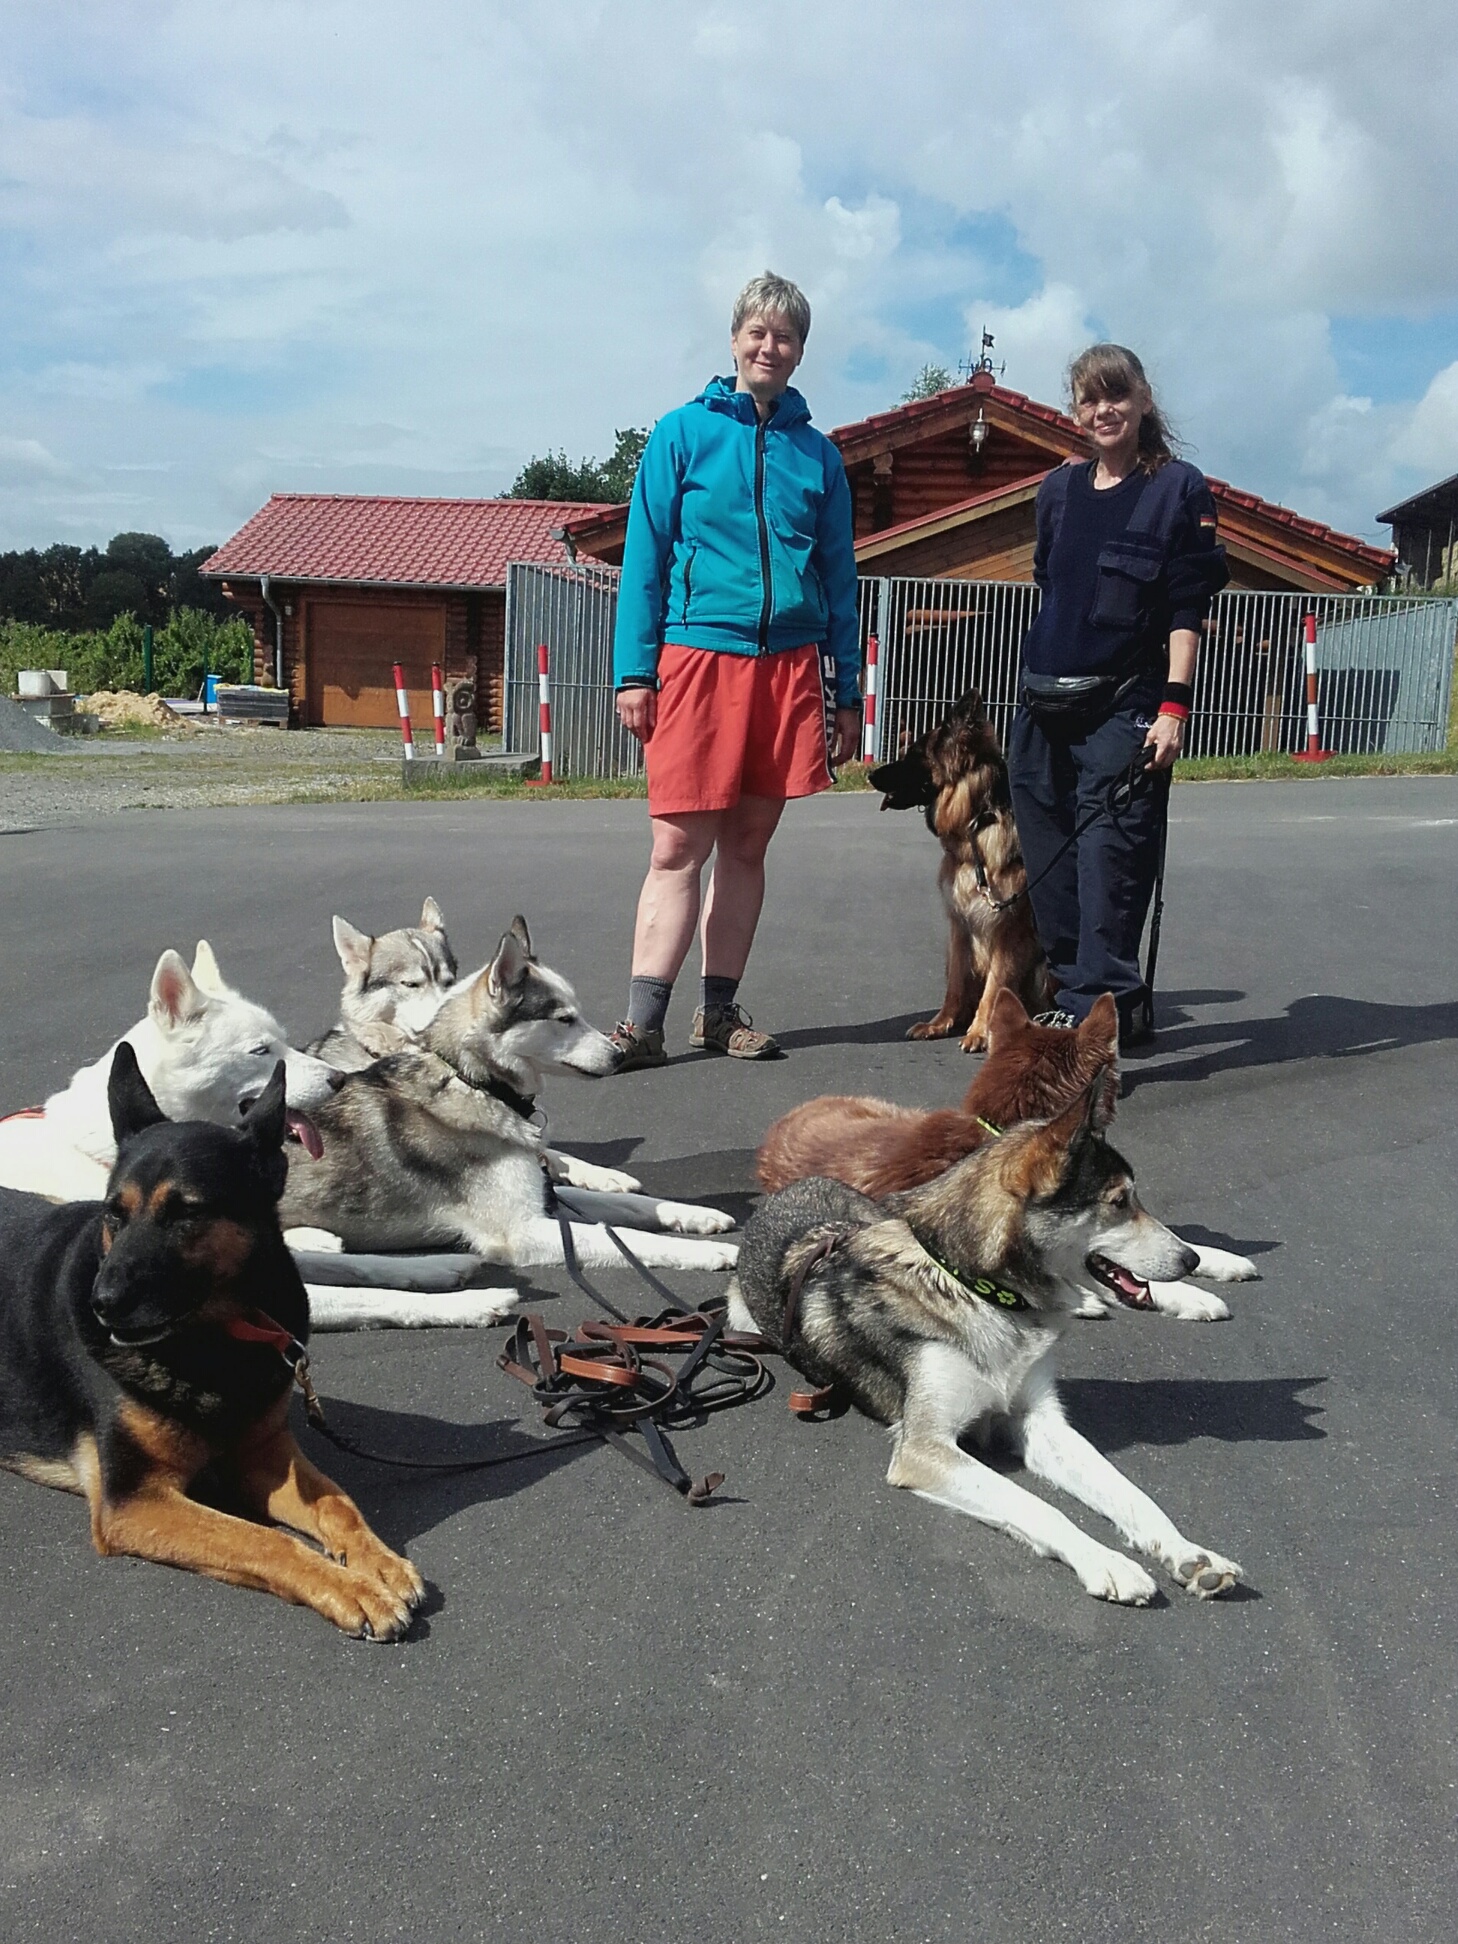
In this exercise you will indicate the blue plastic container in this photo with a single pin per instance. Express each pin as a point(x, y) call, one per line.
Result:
point(210, 691)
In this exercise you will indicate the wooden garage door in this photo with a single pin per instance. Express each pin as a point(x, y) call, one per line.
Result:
point(350, 650)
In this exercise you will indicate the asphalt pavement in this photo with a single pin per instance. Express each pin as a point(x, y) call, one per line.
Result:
point(818, 1709)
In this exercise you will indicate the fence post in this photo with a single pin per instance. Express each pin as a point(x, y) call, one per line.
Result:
point(147, 658)
point(437, 701)
point(868, 726)
point(403, 701)
point(1313, 752)
point(544, 717)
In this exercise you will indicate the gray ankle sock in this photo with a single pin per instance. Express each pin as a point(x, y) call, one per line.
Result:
point(648, 1003)
point(717, 995)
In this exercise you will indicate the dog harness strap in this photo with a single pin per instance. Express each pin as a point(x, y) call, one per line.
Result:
point(826, 1246)
point(991, 1127)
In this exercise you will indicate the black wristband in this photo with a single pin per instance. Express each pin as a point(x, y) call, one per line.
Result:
point(1181, 692)
point(637, 682)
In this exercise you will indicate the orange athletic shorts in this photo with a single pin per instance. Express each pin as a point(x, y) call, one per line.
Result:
point(735, 725)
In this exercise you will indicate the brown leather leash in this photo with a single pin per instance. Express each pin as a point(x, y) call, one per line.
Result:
point(597, 1378)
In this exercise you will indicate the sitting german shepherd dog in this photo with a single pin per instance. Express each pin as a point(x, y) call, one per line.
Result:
point(957, 775)
point(937, 1311)
point(143, 1338)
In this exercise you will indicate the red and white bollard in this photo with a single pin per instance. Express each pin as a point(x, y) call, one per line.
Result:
point(1313, 752)
point(437, 699)
point(404, 703)
point(544, 714)
point(868, 721)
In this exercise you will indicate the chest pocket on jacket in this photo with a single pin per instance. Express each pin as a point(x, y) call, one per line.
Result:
point(1127, 573)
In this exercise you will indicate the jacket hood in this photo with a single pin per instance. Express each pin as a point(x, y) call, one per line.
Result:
point(720, 396)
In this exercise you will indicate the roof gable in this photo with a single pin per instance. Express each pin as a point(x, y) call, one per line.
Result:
point(380, 540)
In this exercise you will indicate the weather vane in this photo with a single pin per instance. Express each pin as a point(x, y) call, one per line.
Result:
point(969, 367)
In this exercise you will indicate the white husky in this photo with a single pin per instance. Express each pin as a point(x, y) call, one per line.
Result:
point(205, 1051)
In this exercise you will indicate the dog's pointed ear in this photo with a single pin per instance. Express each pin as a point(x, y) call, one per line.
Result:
point(523, 937)
point(1054, 1148)
point(430, 916)
point(507, 966)
point(129, 1099)
point(1008, 1018)
point(175, 998)
point(206, 971)
point(1100, 1031)
point(267, 1119)
point(353, 947)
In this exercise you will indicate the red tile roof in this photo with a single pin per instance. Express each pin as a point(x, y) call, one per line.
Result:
point(1070, 438)
point(388, 541)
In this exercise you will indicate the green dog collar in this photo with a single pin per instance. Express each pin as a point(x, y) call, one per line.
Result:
point(991, 1291)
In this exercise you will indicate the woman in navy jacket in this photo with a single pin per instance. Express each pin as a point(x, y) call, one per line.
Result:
point(1128, 561)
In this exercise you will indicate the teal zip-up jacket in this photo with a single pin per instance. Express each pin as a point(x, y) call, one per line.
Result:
point(739, 539)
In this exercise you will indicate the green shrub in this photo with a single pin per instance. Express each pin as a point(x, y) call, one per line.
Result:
point(184, 649)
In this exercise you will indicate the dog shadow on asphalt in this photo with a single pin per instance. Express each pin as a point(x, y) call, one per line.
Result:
point(1118, 1413)
point(1321, 1026)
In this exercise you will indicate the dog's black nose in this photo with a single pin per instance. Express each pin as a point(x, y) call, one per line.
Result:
point(1192, 1262)
point(336, 1081)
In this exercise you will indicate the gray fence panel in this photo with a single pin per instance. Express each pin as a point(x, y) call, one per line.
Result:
point(1385, 665)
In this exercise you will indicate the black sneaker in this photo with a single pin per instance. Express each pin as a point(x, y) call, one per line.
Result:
point(636, 1046)
point(1135, 1029)
point(1066, 1022)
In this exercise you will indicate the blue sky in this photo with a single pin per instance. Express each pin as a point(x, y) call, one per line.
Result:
point(261, 247)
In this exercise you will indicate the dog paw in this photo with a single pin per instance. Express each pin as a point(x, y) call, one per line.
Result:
point(689, 1218)
point(931, 1029)
point(314, 1241)
point(1187, 1304)
point(1110, 1576)
point(974, 1042)
point(376, 1599)
point(1219, 1265)
point(603, 1181)
point(1205, 1574)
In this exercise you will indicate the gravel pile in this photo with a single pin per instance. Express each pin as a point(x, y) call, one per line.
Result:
point(20, 736)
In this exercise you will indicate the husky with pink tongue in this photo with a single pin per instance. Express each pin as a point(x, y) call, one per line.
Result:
point(206, 1053)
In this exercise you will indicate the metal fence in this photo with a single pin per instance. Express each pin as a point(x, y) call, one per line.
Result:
point(1385, 665)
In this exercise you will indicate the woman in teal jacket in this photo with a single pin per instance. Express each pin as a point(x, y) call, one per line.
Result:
point(738, 575)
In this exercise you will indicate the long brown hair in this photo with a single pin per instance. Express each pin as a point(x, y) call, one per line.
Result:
point(1113, 371)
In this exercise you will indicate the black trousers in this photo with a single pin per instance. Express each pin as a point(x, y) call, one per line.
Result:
point(1090, 909)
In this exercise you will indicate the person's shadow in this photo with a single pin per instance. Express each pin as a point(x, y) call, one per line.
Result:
point(1322, 1026)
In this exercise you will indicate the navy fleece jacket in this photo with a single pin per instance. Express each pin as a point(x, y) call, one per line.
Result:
point(739, 540)
point(1096, 617)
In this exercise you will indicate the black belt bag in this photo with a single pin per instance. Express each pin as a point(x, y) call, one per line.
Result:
point(1066, 699)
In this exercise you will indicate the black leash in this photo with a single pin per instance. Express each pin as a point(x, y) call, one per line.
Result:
point(1120, 792)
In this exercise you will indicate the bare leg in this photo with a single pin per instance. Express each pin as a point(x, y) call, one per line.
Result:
point(736, 889)
point(668, 904)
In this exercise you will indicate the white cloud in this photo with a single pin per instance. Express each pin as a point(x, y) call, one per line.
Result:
point(236, 235)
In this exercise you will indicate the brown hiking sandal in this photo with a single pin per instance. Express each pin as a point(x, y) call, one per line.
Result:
point(634, 1047)
point(725, 1029)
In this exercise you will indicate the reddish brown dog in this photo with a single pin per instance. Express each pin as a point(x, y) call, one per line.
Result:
point(1031, 1073)
point(957, 775)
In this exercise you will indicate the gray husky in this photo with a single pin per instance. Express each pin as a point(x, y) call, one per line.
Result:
point(936, 1312)
point(438, 1145)
point(393, 985)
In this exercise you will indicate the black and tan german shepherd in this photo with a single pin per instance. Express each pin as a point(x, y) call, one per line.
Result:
point(956, 775)
point(141, 1342)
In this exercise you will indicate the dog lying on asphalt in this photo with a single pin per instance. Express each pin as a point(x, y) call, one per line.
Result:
point(438, 1147)
point(392, 987)
point(957, 775)
point(1030, 1073)
point(936, 1312)
point(205, 1051)
point(142, 1340)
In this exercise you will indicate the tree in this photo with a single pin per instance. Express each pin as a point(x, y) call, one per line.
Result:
point(555, 477)
point(931, 379)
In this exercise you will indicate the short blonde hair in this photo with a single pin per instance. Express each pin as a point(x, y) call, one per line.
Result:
point(772, 296)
